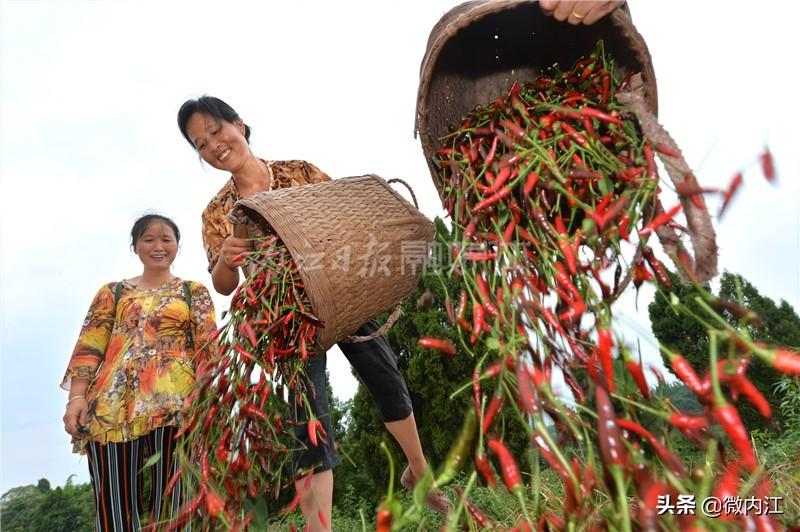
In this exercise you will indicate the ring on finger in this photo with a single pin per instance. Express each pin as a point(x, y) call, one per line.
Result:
point(577, 16)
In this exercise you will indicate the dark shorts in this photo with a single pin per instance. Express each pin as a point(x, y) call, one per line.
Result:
point(376, 366)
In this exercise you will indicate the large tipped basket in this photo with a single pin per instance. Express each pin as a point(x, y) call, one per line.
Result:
point(478, 49)
point(359, 246)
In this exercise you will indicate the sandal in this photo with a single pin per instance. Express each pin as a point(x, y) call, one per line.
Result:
point(436, 498)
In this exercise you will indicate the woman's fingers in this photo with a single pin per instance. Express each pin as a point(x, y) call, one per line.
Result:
point(599, 10)
point(565, 9)
point(76, 417)
point(579, 11)
point(232, 247)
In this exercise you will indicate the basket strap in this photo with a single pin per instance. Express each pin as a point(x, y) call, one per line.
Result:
point(413, 196)
point(393, 317)
point(701, 230)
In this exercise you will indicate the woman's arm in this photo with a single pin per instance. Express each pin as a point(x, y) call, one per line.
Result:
point(225, 279)
point(87, 356)
point(77, 406)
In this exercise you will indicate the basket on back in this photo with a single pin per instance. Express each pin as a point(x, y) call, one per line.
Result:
point(478, 49)
point(359, 246)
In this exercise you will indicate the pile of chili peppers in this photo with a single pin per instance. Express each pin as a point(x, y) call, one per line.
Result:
point(554, 193)
point(236, 441)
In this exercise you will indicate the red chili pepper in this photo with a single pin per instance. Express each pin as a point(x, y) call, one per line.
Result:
point(461, 308)
point(767, 165)
point(685, 421)
point(611, 449)
point(660, 220)
point(494, 198)
point(743, 386)
point(384, 523)
point(624, 221)
point(527, 398)
point(685, 372)
point(222, 447)
point(492, 150)
point(508, 466)
point(245, 354)
point(172, 482)
point(600, 115)
point(214, 503)
point(530, 182)
point(252, 411)
point(635, 369)
point(500, 180)
point(574, 135)
point(650, 161)
point(666, 150)
point(728, 487)
point(483, 289)
point(729, 419)
point(734, 185)
point(484, 467)
point(604, 344)
point(494, 407)
point(549, 456)
point(565, 247)
point(312, 431)
point(205, 469)
point(783, 360)
point(669, 459)
point(481, 519)
point(480, 256)
point(442, 345)
point(471, 229)
point(658, 268)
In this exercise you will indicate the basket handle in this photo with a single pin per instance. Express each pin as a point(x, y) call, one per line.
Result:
point(410, 191)
point(352, 339)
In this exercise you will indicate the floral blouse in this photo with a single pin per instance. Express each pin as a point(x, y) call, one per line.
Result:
point(140, 366)
point(217, 227)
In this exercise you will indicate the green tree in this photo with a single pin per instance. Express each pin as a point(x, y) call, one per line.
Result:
point(432, 380)
point(37, 507)
point(781, 325)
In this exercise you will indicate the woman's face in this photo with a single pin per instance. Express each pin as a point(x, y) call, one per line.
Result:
point(157, 246)
point(220, 143)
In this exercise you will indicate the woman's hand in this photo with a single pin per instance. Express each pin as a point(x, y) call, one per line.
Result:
point(579, 11)
point(232, 247)
point(76, 416)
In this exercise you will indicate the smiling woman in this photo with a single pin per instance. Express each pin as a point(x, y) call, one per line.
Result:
point(130, 373)
point(221, 138)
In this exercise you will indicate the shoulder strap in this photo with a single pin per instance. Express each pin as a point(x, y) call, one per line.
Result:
point(187, 296)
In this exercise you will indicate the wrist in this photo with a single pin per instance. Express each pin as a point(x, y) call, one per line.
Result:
point(74, 397)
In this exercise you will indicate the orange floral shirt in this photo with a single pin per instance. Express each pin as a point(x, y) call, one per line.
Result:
point(217, 227)
point(137, 358)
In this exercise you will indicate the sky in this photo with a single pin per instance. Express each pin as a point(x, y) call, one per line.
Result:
point(89, 92)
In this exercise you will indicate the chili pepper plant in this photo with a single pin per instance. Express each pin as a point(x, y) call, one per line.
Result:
point(554, 194)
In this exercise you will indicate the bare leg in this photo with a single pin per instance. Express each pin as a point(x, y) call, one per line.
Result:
point(405, 432)
point(316, 496)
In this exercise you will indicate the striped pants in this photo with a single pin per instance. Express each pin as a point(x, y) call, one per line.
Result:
point(118, 478)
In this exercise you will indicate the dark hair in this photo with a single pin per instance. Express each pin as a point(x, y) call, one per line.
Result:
point(211, 106)
point(141, 225)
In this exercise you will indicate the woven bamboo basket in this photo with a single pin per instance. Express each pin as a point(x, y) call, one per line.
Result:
point(359, 246)
point(478, 49)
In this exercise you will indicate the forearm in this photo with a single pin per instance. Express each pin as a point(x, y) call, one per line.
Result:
point(224, 279)
point(78, 387)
